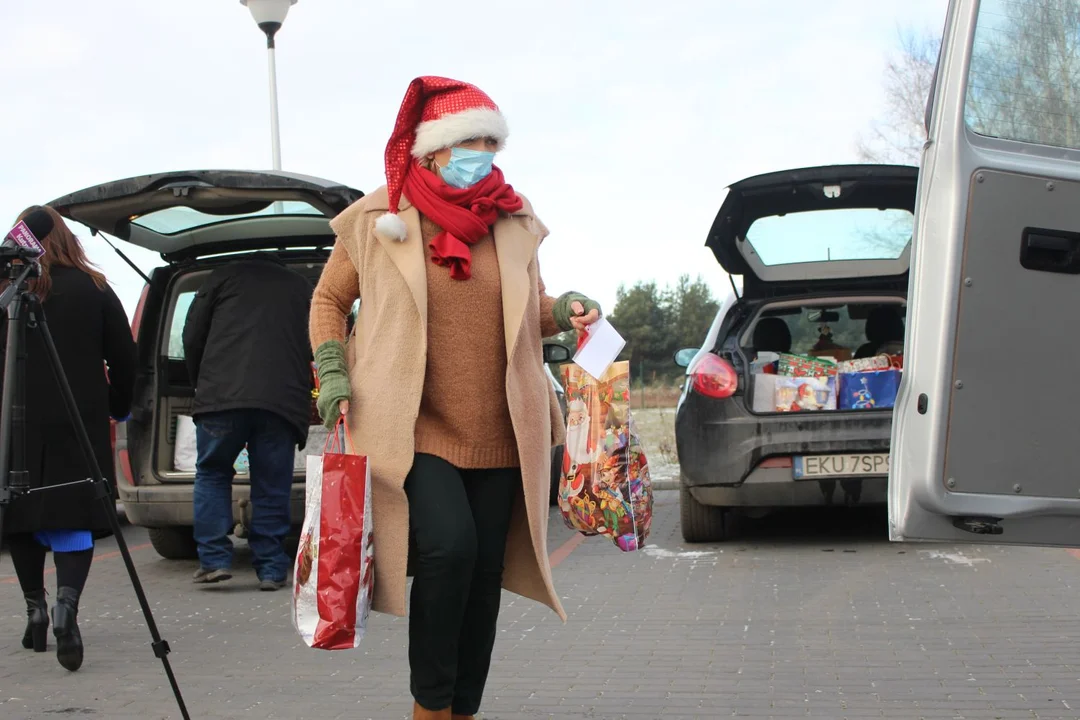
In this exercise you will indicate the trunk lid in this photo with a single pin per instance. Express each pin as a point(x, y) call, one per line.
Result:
point(184, 215)
point(837, 227)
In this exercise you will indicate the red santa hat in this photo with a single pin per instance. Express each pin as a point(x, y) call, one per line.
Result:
point(436, 113)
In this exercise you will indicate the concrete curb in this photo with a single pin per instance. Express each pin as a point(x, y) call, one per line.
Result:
point(672, 484)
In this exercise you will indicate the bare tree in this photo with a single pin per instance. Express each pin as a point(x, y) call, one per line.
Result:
point(898, 136)
point(1025, 72)
point(1023, 85)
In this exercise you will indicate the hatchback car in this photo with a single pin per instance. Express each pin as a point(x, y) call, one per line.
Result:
point(197, 221)
point(823, 254)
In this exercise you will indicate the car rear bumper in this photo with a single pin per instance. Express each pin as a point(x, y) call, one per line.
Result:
point(721, 447)
point(171, 505)
point(774, 487)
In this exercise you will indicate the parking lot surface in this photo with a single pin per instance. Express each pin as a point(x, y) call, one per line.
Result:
point(807, 615)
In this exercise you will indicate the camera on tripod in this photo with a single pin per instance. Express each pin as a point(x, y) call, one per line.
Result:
point(14, 261)
point(20, 251)
point(22, 243)
point(10, 254)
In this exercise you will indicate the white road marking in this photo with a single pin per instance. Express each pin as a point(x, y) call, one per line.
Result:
point(955, 558)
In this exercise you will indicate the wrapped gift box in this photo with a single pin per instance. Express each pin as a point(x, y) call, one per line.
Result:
point(869, 390)
point(805, 366)
point(799, 394)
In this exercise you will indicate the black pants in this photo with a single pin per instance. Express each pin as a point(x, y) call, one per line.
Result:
point(459, 520)
point(28, 557)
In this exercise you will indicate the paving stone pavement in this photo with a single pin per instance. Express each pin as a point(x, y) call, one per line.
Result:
point(809, 615)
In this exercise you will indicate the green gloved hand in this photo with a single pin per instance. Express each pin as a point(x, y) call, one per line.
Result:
point(563, 309)
point(333, 381)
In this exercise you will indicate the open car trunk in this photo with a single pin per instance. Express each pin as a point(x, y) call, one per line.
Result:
point(824, 253)
point(823, 354)
point(198, 220)
point(170, 437)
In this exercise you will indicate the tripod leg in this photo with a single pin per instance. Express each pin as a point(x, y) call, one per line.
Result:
point(101, 485)
point(13, 474)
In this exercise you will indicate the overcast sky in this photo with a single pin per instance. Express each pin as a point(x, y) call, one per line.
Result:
point(627, 118)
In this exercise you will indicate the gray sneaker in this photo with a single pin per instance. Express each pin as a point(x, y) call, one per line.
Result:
point(271, 585)
point(203, 575)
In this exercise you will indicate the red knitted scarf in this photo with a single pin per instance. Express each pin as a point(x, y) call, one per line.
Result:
point(465, 216)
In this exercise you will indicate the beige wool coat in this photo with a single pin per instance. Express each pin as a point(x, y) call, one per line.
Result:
point(387, 358)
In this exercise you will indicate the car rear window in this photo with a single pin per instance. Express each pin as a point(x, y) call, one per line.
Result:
point(831, 235)
point(178, 219)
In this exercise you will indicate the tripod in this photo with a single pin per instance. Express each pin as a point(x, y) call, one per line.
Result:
point(24, 312)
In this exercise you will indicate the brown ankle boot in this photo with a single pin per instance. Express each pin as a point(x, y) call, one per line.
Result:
point(462, 717)
point(420, 713)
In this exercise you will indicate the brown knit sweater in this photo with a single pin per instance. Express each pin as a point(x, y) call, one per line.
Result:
point(464, 418)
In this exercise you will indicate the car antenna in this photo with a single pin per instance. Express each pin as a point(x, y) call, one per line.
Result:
point(125, 258)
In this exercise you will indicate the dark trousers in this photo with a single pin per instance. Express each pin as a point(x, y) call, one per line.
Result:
point(271, 444)
point(28, 557)
point(459, 520)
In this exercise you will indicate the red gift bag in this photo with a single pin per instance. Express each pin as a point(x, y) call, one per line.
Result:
point(335, 570)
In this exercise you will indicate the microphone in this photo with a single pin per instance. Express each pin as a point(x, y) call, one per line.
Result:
point(22, 240)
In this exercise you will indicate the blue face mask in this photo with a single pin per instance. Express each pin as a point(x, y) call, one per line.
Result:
point(467, 167)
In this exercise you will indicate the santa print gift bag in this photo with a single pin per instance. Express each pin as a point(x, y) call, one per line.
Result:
point(605, 487)
point(335, 571)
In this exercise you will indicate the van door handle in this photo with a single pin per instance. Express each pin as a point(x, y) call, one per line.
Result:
point(1056, 251)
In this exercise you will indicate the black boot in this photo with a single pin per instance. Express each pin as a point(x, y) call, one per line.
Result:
point(69, 647)
point(37, 621)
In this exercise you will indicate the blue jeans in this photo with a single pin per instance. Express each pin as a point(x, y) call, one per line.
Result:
point(271, 444)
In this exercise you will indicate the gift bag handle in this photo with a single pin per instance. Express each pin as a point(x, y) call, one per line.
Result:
point(339, 440)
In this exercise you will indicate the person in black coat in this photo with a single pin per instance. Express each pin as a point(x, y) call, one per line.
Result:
point(97, 352)
point(247, 352)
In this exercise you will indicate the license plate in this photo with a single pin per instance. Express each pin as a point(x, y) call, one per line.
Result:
point(814, 466)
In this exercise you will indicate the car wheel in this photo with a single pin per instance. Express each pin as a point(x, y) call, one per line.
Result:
point(174, 543)
point(703, 523)
point(556, 474)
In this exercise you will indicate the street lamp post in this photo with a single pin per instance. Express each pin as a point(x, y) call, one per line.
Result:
point(269, 16)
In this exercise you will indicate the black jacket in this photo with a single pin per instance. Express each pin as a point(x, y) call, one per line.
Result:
point(91, 332)
point(246, 341)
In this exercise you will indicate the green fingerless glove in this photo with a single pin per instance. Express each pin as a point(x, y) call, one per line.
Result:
point(563, 313)
point(333, 381)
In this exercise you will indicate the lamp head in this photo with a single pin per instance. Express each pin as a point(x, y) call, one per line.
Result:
point(269, 15)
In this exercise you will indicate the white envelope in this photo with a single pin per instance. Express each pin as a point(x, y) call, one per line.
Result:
point(602, 347)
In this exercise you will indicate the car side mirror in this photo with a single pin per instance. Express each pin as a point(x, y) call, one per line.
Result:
point(555, 354)
point(684, 357)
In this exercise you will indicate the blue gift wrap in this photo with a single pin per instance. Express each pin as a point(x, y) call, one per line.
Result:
point(868, 390)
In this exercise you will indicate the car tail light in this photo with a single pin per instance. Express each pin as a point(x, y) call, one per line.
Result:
point(136, 319)
point(120, 450)
point(714, 377)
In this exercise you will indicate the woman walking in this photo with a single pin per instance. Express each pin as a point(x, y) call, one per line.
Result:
point(97, 352)
point(445, 389)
